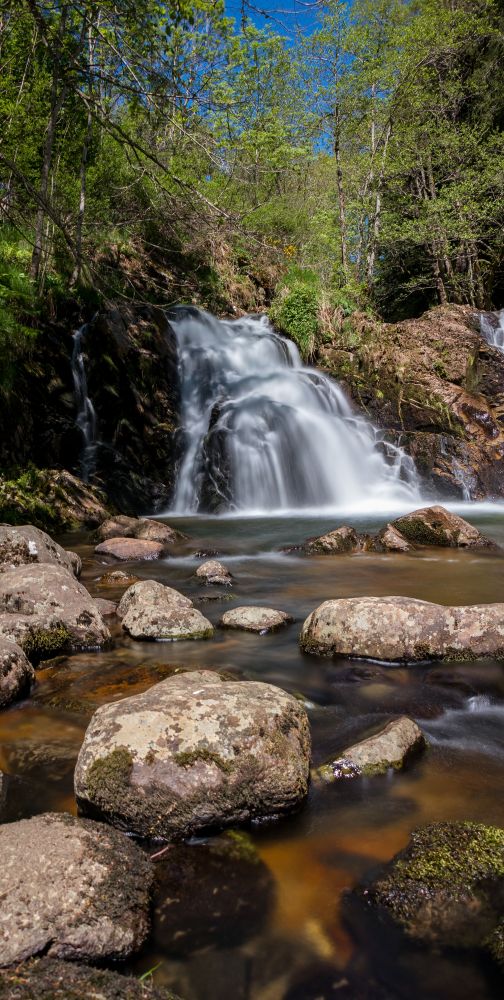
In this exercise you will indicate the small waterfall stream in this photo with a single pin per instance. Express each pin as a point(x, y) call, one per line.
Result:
point(493, 331)
point(86, 416)
point(263, 432)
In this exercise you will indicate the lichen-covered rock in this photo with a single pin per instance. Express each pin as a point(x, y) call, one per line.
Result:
point(53, 979)
point(192, 753)
point(388, 748)
point(252, 619)
point(339, 541)
point(117, 578)
point(437, 526)
point(213, 572)
point(389, 539)
point(23, 545)
point(144, 528)
point(105, 608)
point(16, 673)
point(71, 888)
point(446, 889)
point(47, 611)
point(150, 610)
point(130, 549)
point(404, 630)
point(119, 526)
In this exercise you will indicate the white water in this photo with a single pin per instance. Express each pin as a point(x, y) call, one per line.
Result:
point(493, 332)
point(262, 432)
point(86, 416)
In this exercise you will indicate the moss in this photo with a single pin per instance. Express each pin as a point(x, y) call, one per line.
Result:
point(417, 531)
point(44, 643)
point(109, 775)
point(190, 757)
point(460, 854)
point(238, 846)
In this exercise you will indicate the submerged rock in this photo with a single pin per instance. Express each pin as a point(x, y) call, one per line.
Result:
point(404, 630)
point(336, 542)
point(52, 979)
point(213, 572)
point(252, 619)
point(23, 545)
point(46, 611)
point(71, 888)
point(437, 526)
point(390, 747)
point(138, 527)
point(194, 752)
point(16, 673)
point(130, 549)
point(150, 610)
point(117, 578)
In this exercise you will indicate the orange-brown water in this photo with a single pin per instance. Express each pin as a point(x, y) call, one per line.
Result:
point(224, 926)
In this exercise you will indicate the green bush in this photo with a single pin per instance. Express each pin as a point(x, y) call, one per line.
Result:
point(17, 305)
point(294, 310)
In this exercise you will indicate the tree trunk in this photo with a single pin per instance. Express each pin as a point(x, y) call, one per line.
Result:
point(341, 196)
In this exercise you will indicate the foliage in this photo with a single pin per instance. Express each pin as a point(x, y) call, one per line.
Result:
point(295, 310)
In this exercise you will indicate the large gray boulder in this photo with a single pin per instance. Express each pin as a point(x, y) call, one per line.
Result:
point(71, 888)
point(438, 526)
point(16, 673)
point(46, 611)
point(253, 619)
point(53, 979)
point(192, 753)
point(389, 748)
point(404, 630)
point(149, 610)
point(20, 546)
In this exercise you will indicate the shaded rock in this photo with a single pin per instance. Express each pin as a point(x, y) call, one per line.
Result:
point(156, 531)
point(437, 526)
point(446, 889)
point(390, 747)
point(71, 888)
point(339, 541)
point(138, 527)
point(192, 753)
point(46, 611)
point(52, 979)
point(213, 572)
point(16, 673)
point(120, 526)
point(134, 549)
point(150, 610)
point(105, 608)
point(252, 619)
point(404, 630)
point(20, 546)
point(117, 578)
point(51, 499)
point(389, 539)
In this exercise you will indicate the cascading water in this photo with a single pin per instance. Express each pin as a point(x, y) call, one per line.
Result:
point(262, 432)
point(86, 416)
point(493, 329)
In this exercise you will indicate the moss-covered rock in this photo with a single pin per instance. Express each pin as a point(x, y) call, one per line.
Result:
point(51, 499)
point(50, 979)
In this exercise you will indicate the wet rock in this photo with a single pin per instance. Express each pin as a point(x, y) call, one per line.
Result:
point(150, 610)
point(52, 979)
point(23, 545)
point(192, 753)
point(336, 542)
point(446, 889)
point(404, 630)
point(138, 527)
point(437, 526)
point(390, 747)
point(389, 539)
point(117, 578)
point(71, 888)
point(252, 619)
point(16, 673)
point(46, 611)
point(133, 549)
point(106, 608)
point(213, 572)
point(120, 526)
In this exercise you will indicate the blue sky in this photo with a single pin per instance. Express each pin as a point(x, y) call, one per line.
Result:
point(283, 15)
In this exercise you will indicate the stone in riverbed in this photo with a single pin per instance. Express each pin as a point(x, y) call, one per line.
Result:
point(53, 979)
point(390, 747)
point(71, 888)
point(213, 572)
point(23, 545)
point(192, 753)
point(252, 619)
point(140, 528)
point(16, 673)
point(149, 610)
point(47, 611)
point(404, 630)
point(105, 607)
point(336, 542)
point(389, 539)
point(437, 526)
point(117, 578)
point(132, 549)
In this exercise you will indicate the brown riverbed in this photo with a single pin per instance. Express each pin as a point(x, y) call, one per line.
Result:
point(227, 926)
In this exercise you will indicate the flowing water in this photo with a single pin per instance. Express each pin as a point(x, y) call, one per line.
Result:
point(86, 416)
point(493, 329)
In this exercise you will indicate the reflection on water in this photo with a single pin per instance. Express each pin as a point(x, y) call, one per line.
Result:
point(269, 924)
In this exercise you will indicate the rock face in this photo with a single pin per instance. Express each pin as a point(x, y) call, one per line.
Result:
point(72, 889)
point(52, 499)
point(20, 546)
point(213, 572)
point(194, 752)
point(130, 549)
point(138, 527)
point(340, 540)
point(16, 673)
point(51, 979)
point(151, 611)
point(446, 888)
point(254, 619)
point(46, 611)
point(390, 747)
point(403, 630)
point(437, 526)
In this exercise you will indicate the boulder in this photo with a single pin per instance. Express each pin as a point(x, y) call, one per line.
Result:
point(336, 542)
point(16, 673)
point(71, 888)
point(52, 979)
point(437, 526)
point(193, 753)
point(105, 607)
point(117, 578)
point(446, 888)
point(390, 747)
point(52, 499)
point(254, 619)
point(404, 630)
point(138, 527)
point(20, 546)
point(120, 526)
point(213, 572)
point(46, 611)
point(389, 539)
point(130, 549)
point(150, 610)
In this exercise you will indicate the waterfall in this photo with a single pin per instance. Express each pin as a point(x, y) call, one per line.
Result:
point(263, 432)
point(86, 416)
point(493, 329)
